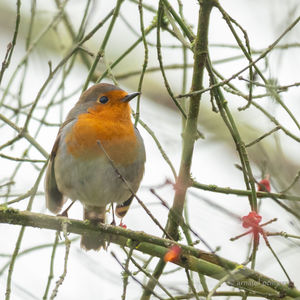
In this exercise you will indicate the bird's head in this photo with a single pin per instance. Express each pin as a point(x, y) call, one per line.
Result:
point(106, 99)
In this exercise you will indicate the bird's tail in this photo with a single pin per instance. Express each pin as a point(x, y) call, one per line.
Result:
point(96, 215)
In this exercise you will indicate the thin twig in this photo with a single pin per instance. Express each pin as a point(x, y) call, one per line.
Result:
point(133, 277)
point(159, 146)
point(263, 136)
point(143, 270)
point(132, 191)
point(51, 271)
point(62, 277)
point(227, 190)
point(264, 54)
point(20, 237)
point(145, 64)
point(125, 276)
point(292, 183)
point(11, 45)
point(22, 159)
point(101, 50)
point(191, 284)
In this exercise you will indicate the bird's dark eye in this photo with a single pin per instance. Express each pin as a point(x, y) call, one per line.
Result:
point(103, 99)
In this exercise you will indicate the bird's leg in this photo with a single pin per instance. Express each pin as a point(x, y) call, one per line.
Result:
point(113, 215)
point(65, 212)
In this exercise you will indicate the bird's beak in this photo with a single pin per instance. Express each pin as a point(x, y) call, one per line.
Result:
point(130, 97)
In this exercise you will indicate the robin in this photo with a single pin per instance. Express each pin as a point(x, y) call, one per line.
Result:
point(96, 142)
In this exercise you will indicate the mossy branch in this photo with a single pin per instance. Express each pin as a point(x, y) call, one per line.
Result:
point(191, 258)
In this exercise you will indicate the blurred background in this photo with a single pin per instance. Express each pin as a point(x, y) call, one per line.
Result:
point(47, 31)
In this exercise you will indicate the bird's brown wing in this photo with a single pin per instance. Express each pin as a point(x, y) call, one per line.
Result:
point(54, 198)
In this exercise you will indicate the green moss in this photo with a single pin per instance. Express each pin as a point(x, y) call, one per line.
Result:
point(9, 210)
point(213, 187)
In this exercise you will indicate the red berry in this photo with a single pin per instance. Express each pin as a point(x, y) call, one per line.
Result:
point(264, 185)
point(173, 254)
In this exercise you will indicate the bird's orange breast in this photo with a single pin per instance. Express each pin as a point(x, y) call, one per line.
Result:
point(116, 136)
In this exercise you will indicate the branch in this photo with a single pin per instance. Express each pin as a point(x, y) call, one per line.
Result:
point(11, 46)
point(190, 131)
point(193, 259)
point(228, 190)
